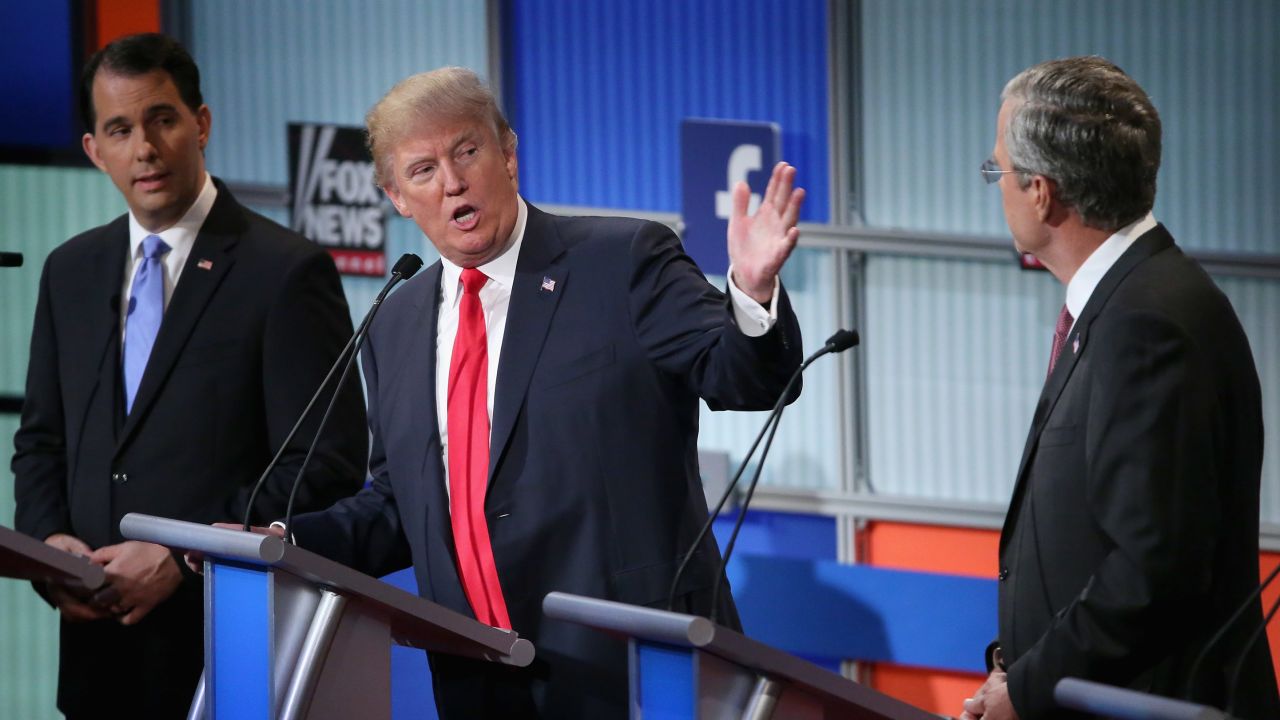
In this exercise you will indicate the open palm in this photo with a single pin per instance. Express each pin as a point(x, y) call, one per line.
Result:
point(759, 244)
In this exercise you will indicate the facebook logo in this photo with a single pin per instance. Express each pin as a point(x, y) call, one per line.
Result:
point(715, 155)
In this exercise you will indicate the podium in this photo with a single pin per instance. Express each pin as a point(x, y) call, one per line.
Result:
point(1124, 704)
point(292, 635)
point(25, 558)
point(684, 666)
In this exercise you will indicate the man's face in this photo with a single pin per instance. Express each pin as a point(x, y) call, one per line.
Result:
point(458, 183)
point(1020, 210)
point(150, 144)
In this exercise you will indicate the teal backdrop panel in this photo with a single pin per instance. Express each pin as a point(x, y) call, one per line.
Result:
point(39, 209)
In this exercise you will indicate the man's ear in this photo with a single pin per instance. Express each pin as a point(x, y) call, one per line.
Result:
point(1043, 196)
point(90, 145)
point(393, 194)
point(204, 121)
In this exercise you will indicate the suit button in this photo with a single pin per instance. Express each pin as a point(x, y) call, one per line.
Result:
point(119, 478)
point(1004, 574)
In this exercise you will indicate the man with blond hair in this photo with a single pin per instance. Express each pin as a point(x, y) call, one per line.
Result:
point(534, 401)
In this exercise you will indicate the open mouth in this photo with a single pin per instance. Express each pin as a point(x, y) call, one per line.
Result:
point(465, 217)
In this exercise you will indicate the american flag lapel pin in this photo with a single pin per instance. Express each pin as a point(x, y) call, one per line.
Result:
point(548, 285)
point(1075, 346)
point(205, 264)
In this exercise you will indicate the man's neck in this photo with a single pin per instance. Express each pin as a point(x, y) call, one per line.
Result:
point(1070, 246)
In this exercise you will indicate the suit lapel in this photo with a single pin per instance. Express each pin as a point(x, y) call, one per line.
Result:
point(103, 279)
point(538, 286)
point(210, 259)
point(1151, 242)
point(419, 396)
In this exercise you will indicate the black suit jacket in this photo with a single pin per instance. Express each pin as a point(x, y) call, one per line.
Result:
point(255, 320)
point(612, 337)
point(1133, 530)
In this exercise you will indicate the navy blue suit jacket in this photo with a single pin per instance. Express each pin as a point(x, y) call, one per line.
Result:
point(612, 337)
point(253, 325)
point(1133, 531)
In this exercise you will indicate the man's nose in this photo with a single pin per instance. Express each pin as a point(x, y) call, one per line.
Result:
point(454, 182)
point(144, 146)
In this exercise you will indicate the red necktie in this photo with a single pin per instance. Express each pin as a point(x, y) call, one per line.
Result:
point(469, 456)
point(1060, 337)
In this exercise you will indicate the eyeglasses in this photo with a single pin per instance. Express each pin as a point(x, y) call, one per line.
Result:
point(991, 171)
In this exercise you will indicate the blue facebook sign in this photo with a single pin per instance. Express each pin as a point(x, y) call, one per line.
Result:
point(714, 156)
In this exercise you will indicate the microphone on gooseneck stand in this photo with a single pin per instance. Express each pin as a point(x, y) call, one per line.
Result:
point(1222, 631)
point(405, 267)
point(839, 342)
point(10, 259)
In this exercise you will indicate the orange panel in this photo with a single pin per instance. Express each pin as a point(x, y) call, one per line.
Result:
point(934, 691)
point(117, 18)
point(926, 548)
point(962, 551)
point(1270, 595)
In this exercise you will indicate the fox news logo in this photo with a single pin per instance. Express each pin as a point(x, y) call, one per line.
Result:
point(334, 201)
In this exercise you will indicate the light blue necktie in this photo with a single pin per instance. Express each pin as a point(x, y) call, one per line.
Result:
point(146, 309)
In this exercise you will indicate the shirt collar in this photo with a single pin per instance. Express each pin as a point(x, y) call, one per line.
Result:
point(500, 270)
point(1096, 266)
point(183, 233)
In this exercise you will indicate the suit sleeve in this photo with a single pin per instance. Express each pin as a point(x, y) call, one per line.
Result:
point(362, 531)
point(306, 329)
point(1152, 490)
point(689, 330)
point(40, 458)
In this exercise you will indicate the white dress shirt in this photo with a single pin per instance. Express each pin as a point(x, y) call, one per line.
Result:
point(180, 238)
point(1086, 279)
point(495, 298)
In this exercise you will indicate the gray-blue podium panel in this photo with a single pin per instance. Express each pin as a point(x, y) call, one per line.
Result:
point(292, 635)
point(683, 666)
point(1124, 704)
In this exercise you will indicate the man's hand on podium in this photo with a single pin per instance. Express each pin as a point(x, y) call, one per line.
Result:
point(195, 559)
point(74, 603)
point(991, 702)
point(140, 575)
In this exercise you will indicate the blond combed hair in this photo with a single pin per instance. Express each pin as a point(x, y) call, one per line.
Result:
point(445, 94)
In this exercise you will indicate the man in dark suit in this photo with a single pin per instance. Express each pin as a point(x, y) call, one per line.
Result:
point(1132, 535)
point(589, 342)
point(173, 349)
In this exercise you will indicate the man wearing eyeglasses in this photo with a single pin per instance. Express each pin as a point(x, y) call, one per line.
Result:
point(1132, 534)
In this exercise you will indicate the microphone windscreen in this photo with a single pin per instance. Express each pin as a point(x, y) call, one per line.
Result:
point(842, 340)
point(407, 266)
point(10, 259)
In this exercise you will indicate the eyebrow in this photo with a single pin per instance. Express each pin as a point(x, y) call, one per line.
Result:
point(462, 139)
point(150, 112)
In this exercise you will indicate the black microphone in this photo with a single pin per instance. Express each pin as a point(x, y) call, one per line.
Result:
point(405, 267)
point(10, 259)
point(839, 342)
point(1222, 631)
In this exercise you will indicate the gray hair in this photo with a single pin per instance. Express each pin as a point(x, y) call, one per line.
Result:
point(1086, 125)
point(441, 95)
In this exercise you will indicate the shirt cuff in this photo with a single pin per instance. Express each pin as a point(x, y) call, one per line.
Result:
point(279, 525)
point(752, 317)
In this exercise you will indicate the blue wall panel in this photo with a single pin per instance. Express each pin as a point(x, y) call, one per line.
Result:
point(596, 91)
